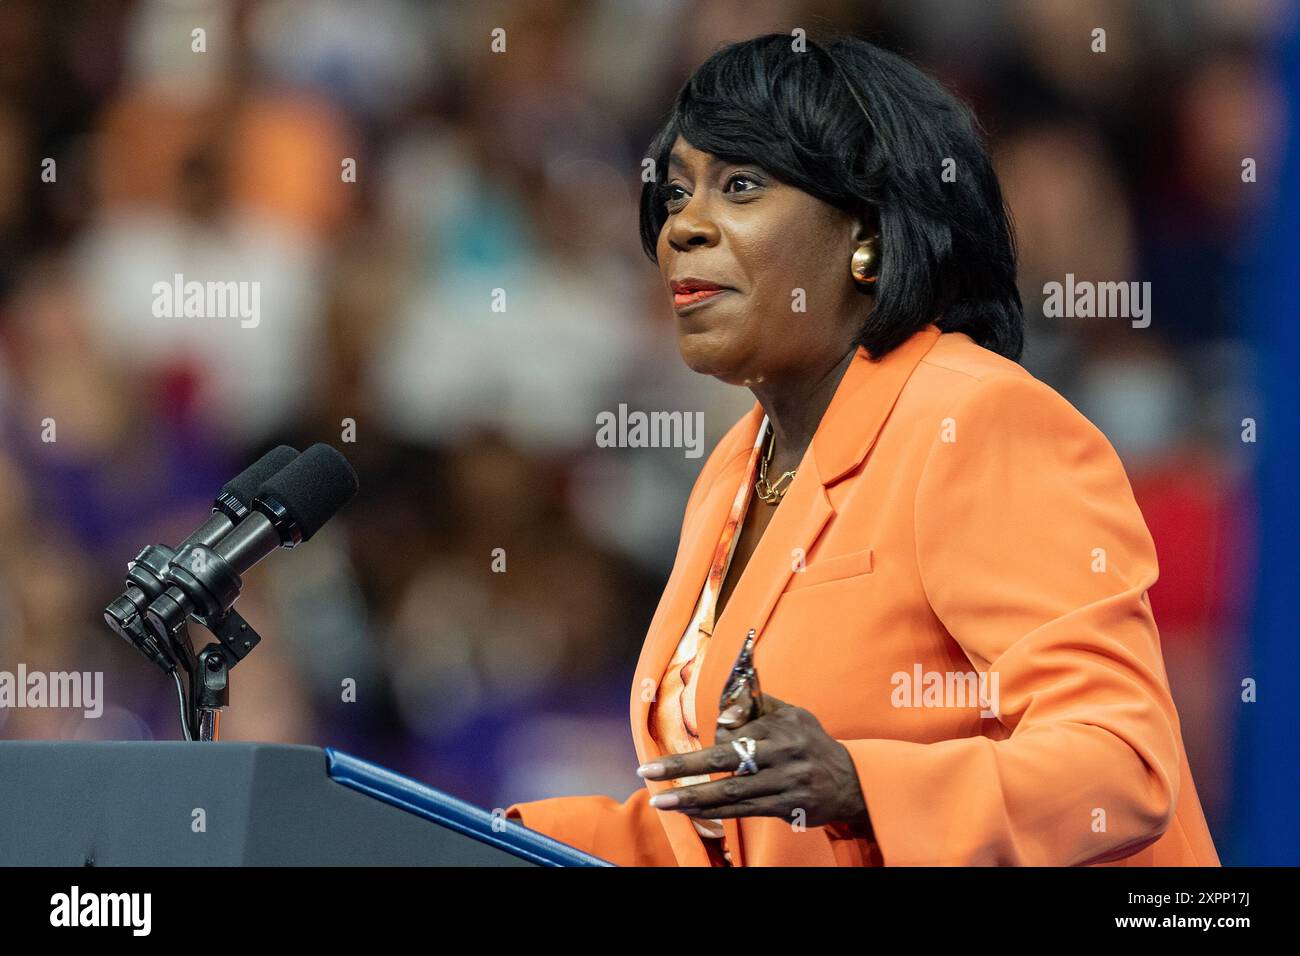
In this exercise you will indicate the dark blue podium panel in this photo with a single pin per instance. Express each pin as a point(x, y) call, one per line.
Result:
point(241, 804)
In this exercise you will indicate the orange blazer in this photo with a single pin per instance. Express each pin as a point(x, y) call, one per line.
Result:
point(953, 515)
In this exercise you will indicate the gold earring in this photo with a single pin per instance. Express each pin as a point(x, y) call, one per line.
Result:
point(865, 264)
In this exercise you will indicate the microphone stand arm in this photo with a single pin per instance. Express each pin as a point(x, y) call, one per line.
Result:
point(210, 680)
point(209, 670)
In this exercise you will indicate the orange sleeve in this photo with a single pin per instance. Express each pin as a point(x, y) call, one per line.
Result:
point(1034, 556)
point(627, 833)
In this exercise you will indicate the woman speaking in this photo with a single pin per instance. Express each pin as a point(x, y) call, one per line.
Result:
point(908, 620)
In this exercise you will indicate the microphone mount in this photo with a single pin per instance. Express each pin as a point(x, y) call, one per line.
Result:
point(202, 586)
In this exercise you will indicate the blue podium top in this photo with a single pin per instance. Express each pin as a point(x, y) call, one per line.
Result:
point(455, 814)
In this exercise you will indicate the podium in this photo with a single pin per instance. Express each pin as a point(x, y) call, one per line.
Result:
point(241, 804)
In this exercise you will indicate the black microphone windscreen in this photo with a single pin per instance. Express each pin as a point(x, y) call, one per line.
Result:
point(313, 488)
point(245, 484)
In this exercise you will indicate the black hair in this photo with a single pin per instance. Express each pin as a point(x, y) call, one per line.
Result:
point(865, 131)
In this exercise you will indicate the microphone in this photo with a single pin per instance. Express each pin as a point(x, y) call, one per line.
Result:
point(145, 575)
point(204, 580)
point(235, 500)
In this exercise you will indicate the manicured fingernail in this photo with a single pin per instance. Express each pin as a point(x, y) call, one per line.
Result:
point(664, 801)
point(732, 715)
point(650, 770)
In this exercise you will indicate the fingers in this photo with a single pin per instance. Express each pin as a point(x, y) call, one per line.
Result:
point(737, 712)
point(774, 709)
point(780, 783)
point(721, 758)
point(733, 717)
point(724, 737)
point(703, 799)
point(727, 732)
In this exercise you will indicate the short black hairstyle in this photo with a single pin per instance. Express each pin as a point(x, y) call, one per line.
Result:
point(868, 132)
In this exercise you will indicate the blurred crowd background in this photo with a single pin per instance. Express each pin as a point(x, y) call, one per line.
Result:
point(475, 429)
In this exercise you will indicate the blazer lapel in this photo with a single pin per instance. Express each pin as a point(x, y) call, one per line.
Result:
point(700, 533)
point(701, 530)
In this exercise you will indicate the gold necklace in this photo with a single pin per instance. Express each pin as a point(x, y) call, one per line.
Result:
point(770, 492)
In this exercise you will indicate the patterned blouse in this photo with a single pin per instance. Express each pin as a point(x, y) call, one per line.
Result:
point(672, 719)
